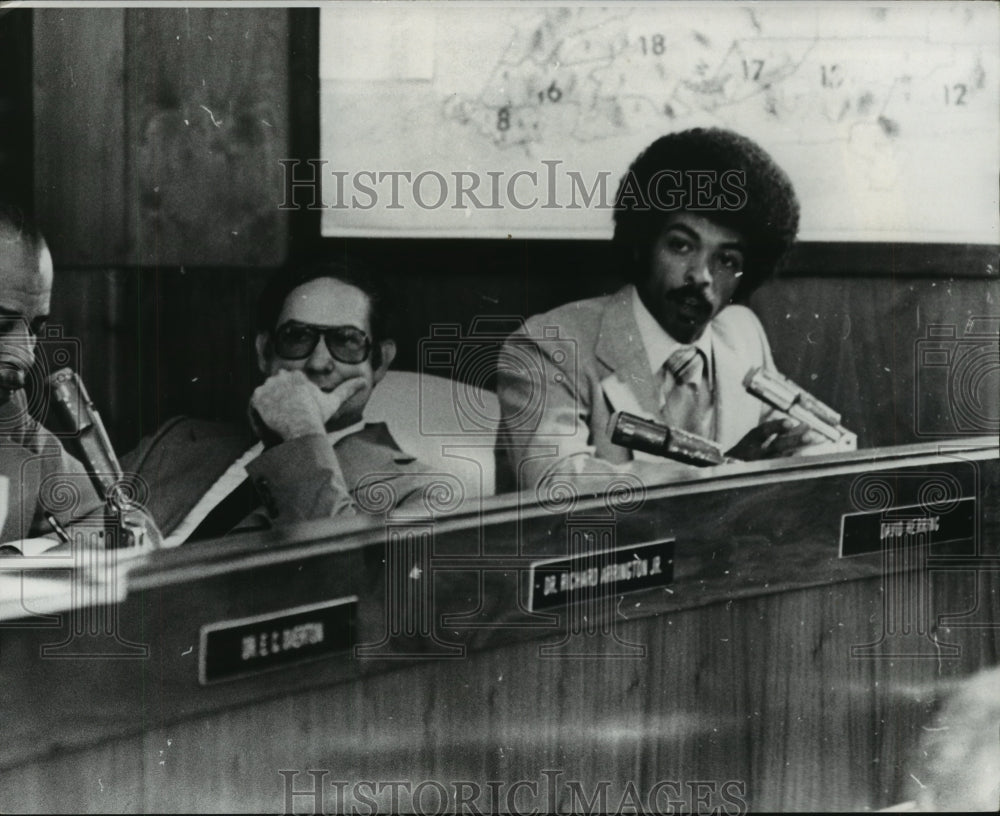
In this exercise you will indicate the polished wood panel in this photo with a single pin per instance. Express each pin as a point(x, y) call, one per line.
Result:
point(207, 100)
point(749, 672)
point(907, 259)
point(855, 343)
point(158, 135)
point(762, 693)
point(79, 126)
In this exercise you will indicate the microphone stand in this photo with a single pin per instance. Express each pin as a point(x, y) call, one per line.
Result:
point(127, 524)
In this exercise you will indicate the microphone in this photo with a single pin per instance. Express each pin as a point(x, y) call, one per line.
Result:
point(79, 416)
point(780, 392)
point(130, 525)
point(640, 434)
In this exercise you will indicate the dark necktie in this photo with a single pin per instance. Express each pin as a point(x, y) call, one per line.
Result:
point(228, 513)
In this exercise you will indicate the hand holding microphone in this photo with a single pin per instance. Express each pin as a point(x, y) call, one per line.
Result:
point(819, 422)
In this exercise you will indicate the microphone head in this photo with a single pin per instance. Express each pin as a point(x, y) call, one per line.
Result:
point(68, 397)
point(637, 433)
point(645, 435)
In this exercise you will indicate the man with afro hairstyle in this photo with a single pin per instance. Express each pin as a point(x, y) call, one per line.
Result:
point(702, 218)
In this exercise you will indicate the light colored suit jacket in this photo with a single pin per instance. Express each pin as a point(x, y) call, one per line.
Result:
point(41, 477)
point(560, 381)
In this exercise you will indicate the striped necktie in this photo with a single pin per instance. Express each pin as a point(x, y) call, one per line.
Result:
point(687, 400)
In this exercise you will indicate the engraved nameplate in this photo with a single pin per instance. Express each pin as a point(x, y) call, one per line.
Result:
point(559, 581)
point(240, 648)
point(948, 529)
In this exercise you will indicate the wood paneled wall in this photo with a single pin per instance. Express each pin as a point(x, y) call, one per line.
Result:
point(182, 338)
point(854, 341)
point(157, 140)
point(80, 155)
point(207, 92)
point(15, 107)
point(158, 135)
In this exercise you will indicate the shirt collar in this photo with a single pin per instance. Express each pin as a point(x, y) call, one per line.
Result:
point(659, 344)
point(336, 436)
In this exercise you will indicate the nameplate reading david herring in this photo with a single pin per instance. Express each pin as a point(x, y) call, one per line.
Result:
point(559, 581)
point(947, 530)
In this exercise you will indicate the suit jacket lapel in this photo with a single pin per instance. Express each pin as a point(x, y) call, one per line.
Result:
point(620, 350)
point(184, 462)
point(732, 403)
point(369, 451)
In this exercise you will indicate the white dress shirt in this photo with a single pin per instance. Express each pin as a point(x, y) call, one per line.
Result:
point(660, 345)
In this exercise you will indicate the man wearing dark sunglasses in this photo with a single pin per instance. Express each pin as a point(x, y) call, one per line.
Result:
point(31, 458)
point(322, 345)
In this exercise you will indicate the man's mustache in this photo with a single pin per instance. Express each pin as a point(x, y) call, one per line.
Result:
point(690, 292)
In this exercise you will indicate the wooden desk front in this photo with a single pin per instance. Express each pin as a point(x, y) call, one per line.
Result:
point(770, 673)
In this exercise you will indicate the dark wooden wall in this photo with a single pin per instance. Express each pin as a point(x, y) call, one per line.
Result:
point(157, 135)
point(15, 107)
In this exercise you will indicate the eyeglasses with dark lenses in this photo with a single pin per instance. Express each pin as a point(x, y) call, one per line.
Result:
point(14, 323)
point(296, 341)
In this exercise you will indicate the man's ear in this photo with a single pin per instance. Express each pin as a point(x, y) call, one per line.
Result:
point(263, 346)
point(388, 348)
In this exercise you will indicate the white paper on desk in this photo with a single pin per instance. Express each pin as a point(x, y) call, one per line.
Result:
point(35, 555)
point(35, 546)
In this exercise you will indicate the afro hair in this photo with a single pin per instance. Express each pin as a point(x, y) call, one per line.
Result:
point(762, 206)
